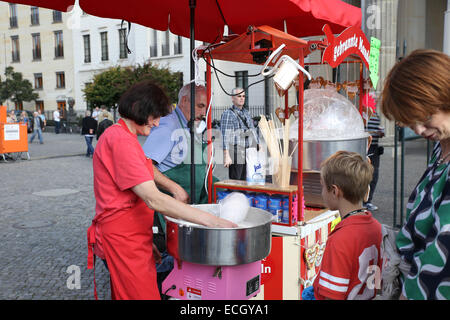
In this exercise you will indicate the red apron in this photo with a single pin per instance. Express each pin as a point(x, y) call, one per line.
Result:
point(127, 240)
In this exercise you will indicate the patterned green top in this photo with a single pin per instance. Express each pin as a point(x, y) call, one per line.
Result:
point(424, 241)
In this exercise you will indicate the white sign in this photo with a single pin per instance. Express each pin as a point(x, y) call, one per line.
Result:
point(12, 132)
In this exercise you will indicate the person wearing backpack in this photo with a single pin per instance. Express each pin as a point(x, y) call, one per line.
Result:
point(37, 128)
point(104, 124)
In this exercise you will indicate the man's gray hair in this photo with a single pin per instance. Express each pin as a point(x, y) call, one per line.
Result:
point(186, 91)
point(88, 113)
point(237, 90)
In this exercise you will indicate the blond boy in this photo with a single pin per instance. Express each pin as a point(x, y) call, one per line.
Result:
point(352, 255)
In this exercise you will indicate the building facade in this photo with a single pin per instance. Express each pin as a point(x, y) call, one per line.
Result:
point(37, 43)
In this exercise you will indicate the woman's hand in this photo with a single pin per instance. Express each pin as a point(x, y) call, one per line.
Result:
point(167, 205)
point(216, 222)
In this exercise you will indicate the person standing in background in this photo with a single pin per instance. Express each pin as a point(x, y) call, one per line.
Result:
point(237, 127)
point(37, 124)
point(24, 118)
point(57, 120)
point(89, 127)
point(44, 121)
point(96, 113)
point(11, 118)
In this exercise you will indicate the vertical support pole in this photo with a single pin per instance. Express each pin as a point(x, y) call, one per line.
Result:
point(300, 216)
point(209, 127)
point(395, 174)
point(286, 104)
point(361, 88)
point(192, 5)
point(402, 173)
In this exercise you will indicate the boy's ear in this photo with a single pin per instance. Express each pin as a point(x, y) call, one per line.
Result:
point(366, 198)
point(336, 191)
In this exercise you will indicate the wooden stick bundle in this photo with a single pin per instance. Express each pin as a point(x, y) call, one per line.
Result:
point(280, 155)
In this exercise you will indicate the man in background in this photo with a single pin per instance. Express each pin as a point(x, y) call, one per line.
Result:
point(238, 132)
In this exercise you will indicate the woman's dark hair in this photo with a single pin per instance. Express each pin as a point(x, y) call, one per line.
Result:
point(142, 100)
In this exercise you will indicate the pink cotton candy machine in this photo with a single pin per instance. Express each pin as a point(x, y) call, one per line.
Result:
point(217, 263)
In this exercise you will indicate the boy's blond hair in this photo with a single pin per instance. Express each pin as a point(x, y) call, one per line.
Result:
point(349, 172)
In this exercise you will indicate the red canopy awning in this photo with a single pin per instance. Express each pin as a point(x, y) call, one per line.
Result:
point(301, 17)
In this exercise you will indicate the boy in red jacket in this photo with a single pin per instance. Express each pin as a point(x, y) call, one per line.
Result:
point(352, 254)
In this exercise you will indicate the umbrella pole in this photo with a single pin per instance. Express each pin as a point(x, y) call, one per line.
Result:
point(192, 5)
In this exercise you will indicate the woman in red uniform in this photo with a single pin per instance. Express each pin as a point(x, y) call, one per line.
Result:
point(126, 195)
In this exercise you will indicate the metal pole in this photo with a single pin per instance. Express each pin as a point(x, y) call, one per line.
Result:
point(395, 175)
point(192, 5)
point(402, 173)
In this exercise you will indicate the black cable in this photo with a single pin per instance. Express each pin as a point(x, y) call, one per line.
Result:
point(173, 287)
point(214, 67)
point(223, 17)
point(232, 76)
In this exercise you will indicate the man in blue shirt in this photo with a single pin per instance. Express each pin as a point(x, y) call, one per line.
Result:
point(168, 145)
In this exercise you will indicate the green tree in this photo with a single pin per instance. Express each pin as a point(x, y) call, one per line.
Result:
point(107, 87)
point(15, 88)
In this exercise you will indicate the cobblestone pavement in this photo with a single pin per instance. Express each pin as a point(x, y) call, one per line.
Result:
point(47, 204)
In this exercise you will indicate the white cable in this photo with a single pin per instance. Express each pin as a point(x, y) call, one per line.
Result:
point(195, 58)
point(212, 150)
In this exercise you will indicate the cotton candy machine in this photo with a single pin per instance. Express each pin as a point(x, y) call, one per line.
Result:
point(330, 123)
point(217, 263)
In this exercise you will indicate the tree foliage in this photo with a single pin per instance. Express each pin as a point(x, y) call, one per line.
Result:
point(15, 88)
point(107, 87)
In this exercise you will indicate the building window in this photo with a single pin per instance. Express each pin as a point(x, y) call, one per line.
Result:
point(15, 48)
point(242, 82)
point(165, 48)
point(62, 108)
point(12, 15)
point(59, 47)
point(123, 43)
point(87, 48)
point(154, 44)
point(57, 16)
point(36, 46)
point(38, 81)
point(104, 44)
point(18, 105)
point(60, 80)
point(177, 47)
point(40, 105)
point(34, 16)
